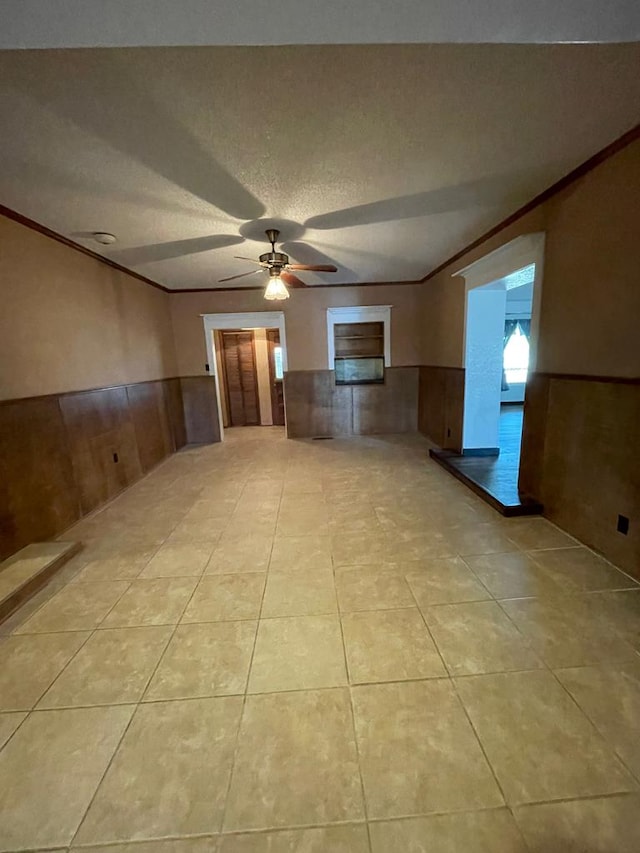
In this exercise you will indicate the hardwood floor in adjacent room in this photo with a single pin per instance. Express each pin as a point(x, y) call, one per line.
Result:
point(273, 645)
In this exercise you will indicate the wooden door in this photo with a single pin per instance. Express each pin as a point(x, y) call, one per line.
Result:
point(241, 383)
point(277, 390)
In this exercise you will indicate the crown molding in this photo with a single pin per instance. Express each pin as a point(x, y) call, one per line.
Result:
point(631, 136)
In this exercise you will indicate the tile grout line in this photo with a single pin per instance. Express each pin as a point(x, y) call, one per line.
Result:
point(245, 695)
point(428, 630)
point(409, 816)
point(482, 748)
point(547, 666)
point(64, 668)
point(350, 687)
point(102, 777)
point(461, 705)
point(604, 740)
point(477, 576)
point(91, 632)
point(527, 640)
point(78, 572)
point(27, 714)
point(136, 706)
point(454, 687)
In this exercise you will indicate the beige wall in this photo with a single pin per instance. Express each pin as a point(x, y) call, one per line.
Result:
point(442, 321)
point(305, 318)
point(590, 295)
point(443, 297)
point(69, 322)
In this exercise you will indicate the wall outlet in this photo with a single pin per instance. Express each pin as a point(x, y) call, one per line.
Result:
point(623, 524)
point(115, 457)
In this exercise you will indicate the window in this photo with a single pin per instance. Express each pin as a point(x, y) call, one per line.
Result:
point(277, 361)
point(516, 357)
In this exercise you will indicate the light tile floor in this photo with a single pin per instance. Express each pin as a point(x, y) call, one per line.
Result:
point(270, 646)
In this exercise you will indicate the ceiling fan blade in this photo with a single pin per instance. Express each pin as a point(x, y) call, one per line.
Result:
point(316, 267)
point(484, 192)
point(252, 260)
point(147, 131)
point(292, 280)
point(149, 254)
point(307, 257)
point(241, 275)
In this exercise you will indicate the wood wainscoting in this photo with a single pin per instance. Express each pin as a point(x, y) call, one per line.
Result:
point(200, 410)
point(63, 455)
point(441, 405)
point(580, 459)
point(316, 406)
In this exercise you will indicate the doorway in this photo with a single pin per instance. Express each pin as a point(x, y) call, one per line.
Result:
point(496, 369)
point(251, 377)
point(240, 378)
point(254, 366)
point(501, 320)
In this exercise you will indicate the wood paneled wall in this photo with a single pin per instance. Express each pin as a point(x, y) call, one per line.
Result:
point(58, 453)
point(441, 405)
point(38, 493)
point(200, 409)
point(580, 458)
point(316, 406)
point(533, 435)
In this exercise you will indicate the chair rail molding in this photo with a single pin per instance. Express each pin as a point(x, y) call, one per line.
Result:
point(359, 314)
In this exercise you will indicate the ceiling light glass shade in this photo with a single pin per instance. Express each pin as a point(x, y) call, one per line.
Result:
point(276, 289)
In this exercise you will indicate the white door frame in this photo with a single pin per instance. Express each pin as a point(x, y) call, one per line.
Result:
point(503, 262)
point(501, 265)
point(240, 320)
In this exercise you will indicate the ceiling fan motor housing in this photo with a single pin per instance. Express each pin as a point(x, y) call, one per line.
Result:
point(277, 264)
point(274, 259)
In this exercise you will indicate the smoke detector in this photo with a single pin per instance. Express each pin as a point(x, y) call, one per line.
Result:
point(104, 238)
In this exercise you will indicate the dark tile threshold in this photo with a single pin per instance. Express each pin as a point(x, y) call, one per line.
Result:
point(497, 485)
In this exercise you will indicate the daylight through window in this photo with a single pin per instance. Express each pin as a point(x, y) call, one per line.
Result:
point(277, 359)
point(516, 357)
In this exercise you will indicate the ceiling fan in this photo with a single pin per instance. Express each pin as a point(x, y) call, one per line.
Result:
point(278, 266)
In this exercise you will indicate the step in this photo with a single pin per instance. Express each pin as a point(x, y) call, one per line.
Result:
point(27, 571)
point(500, 492)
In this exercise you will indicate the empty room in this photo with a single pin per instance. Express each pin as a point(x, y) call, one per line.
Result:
point(319, 422)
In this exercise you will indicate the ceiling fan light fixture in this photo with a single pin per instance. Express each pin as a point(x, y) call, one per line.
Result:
point(276, 289)
point(279, 267)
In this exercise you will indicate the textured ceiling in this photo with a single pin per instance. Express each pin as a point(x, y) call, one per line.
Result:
point(136, 23)
point(384, 159)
